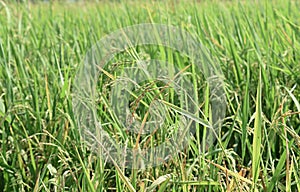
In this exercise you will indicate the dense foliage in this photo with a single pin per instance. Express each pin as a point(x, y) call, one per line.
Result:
point(256, 44)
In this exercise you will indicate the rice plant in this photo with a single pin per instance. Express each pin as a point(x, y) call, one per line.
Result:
point(256, 44)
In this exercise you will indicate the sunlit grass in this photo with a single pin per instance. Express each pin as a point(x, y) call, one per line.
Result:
point(256, 44)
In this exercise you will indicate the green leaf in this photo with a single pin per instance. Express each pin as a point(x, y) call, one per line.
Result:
point(257, 137)
point(2, 106)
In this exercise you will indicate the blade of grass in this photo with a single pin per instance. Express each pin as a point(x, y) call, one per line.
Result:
point(257, 136)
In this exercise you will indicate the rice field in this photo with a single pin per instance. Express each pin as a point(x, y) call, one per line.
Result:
point(254, 44)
